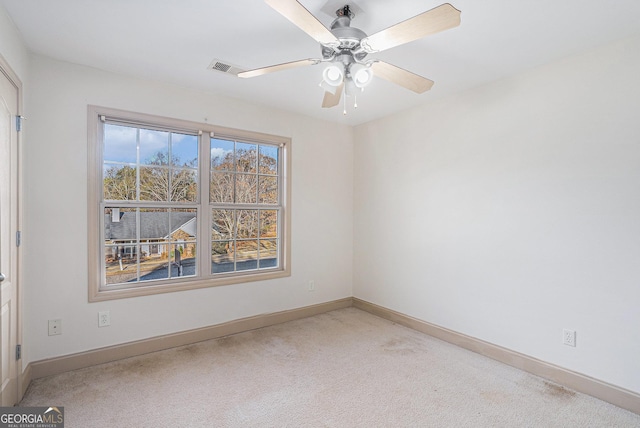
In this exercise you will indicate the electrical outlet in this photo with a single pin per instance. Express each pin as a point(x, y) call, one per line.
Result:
point(311, 285)
point(569, 337)
point(55, 327)
point(104, 318)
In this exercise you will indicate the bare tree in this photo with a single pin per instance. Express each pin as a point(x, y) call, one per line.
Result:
point(120, 183)
point(160, 180)
point(164, 180)
point(240, 177)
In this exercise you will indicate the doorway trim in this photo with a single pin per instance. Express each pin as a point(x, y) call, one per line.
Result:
point(23, 377)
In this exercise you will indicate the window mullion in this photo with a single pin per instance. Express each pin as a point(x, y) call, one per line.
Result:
point(169, 171)
point(204, 215)
point(258, 235)
point(138, 247)
point(138, 164)
point(235, 240)
point(171, 248)
point(229, 206)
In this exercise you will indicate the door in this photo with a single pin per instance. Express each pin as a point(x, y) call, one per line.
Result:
point(8, 227)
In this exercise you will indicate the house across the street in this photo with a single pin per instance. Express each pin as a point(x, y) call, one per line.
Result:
point(158, 230)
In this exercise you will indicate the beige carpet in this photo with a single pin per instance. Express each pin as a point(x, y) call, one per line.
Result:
point(345, 368)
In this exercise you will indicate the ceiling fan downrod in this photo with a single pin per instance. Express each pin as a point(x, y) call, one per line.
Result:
point(345, 11)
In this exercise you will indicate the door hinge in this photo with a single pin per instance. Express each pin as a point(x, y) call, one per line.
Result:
point(18, 352)
point(18, 238)
point(19, 120)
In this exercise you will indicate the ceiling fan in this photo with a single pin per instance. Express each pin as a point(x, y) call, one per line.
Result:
point(345, 49)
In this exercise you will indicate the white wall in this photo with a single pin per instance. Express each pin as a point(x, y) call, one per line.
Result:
point(11, 45)
point(56, 212)
point(512, 211)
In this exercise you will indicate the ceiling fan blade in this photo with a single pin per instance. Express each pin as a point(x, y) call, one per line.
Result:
point(401, 77)
point(303, 19)
point(432, 21)
point(278, 67)
point(332, 100)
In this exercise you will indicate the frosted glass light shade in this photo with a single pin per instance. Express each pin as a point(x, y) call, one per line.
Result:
point(333, 75)
point(361, 75)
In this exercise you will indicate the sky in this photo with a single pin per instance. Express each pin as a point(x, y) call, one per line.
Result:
point(120, 145)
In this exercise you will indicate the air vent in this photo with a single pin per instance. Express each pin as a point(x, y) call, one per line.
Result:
point(221, 66)
point(224, 67)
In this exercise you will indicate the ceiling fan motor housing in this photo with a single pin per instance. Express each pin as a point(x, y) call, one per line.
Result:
point(349, 37)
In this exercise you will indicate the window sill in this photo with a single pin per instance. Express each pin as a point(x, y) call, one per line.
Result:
point(171, 287)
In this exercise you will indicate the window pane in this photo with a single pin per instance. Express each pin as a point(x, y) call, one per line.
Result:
point(183, 262)
point(247, 224)
point(268, 253)
point(154, 147)
point(222, 155)
point(246, 189)
point(184, 231)
point(184, 224)
point(120, 238)
point(246, 255)
point(184, 150)
point(119, 182)
point(222, 256)
point(246, 157)
point(268, 190)
point(154, 250)
point(223, 225)
point(154, 184)
point(184, 185)
point(120, 264)
point(268, 223)
point(154, 266)
point(120, 144)
point(268, 160)
point(154, 224)
point(222, 187)
point(120, 225)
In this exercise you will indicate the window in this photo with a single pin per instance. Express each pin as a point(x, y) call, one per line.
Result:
point(175, 205)
point(243, 175)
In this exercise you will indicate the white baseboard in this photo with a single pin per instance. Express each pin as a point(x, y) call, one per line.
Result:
point(579, 382)
point(620, 397)
point(65, 363)
point(24, 382)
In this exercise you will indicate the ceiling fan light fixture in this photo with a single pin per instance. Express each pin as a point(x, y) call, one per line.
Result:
point(361, 75)
point(333, 75)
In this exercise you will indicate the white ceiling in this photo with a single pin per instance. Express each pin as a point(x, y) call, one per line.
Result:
point(176, 40)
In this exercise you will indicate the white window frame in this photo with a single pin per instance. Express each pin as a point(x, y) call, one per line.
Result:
point(98, 291)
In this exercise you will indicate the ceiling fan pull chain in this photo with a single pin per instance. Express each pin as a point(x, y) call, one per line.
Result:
point(355, 101)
